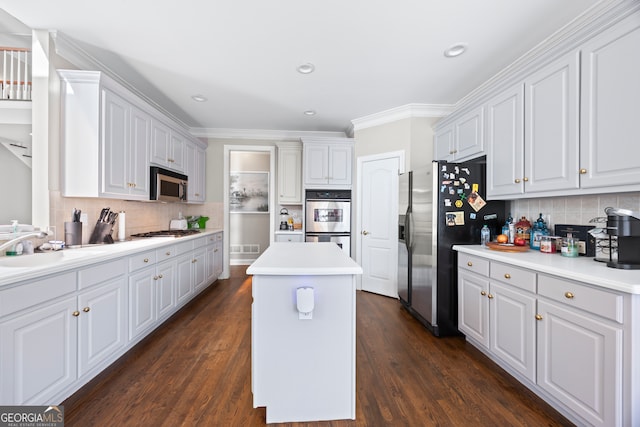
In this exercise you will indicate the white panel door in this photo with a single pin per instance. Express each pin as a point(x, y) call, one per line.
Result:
point(473, 307)
point(139, 154)
point(38, 357)
point(505, 143)
point(102, 324)
point(115, 144)
point(551, 127)
point(609, 149)
point(579, 363)
point(513, 328)
point(379, 218)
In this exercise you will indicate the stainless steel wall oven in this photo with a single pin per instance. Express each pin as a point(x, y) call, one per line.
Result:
point(328, 217)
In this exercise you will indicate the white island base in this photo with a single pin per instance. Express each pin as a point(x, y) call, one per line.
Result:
point(304, 369)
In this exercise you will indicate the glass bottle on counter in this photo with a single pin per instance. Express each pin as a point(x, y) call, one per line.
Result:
point(485, 235)
point(538, 230)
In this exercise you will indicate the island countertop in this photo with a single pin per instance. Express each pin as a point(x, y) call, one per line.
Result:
point(296, 258)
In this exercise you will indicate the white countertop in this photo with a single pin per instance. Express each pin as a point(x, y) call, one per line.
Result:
point(582, 268)
point(295, 259)
point(84, 256)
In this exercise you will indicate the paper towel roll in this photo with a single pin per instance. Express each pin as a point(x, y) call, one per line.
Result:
point(121, 227)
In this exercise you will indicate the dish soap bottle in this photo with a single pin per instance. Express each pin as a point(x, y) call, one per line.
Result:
point(485, 235)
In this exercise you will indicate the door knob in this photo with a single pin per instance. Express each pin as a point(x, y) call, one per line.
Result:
point(365, 232)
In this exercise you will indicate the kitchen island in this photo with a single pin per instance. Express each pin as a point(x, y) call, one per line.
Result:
point(303, 332)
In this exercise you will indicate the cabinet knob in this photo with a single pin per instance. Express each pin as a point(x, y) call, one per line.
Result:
point(583, 171)
point(525, 179)
point(490, 296)
point(86, 309)
point(167, 253)
point(146, 260)
point(538, 316)
point(568, 295)
point(483, 293)
point(75, 313)
point(155, 277)
point(517, 181)
point(194, 261)
point(507, 276)
point(470, 264)
point(160, 276)
point(215, 250)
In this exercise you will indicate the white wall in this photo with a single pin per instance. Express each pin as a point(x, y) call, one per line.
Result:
point(413, 135)
point(15, 188)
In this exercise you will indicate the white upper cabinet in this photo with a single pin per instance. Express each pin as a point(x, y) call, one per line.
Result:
point(126, 134)
point(167, 147)
point(105, 139)
point(532, 133)
point(505, 142)
point(327, 163)
point(610, 153)
point(551, 126)
point(289, 173)
point(463, 139)
point(195, 161)
point(109, 137)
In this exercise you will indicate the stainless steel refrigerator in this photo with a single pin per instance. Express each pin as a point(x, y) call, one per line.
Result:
point(440, 206)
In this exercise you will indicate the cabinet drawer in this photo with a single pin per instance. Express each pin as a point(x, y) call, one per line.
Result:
point(200, 242)
point(184, 247)
point(141, 260)
point(30, 294)
point(514, 276)
point(165, 253)
point(473, 263)
point(101, 273)
point(597, 301)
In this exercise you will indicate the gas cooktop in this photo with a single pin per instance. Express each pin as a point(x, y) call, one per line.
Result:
point(167, 233)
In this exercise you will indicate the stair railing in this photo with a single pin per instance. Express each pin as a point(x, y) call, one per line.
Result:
point(15, 81)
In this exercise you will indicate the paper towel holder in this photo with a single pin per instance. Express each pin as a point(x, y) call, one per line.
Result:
point(305, 302)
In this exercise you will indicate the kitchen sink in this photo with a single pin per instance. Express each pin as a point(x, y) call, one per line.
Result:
point(42, 259)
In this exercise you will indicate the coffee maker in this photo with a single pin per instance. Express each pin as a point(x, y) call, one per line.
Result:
point(625, 225)
point(284, 219)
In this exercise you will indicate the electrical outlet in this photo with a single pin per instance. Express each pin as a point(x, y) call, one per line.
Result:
point(84, 219)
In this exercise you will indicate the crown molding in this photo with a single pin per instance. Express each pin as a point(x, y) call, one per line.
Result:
point(73, 53)
point(261, 134)
point(399, 113)
point(594, 20)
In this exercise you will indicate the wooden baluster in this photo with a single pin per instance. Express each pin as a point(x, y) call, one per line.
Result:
point(18, 94)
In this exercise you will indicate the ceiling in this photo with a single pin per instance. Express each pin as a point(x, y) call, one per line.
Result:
point(369, 55)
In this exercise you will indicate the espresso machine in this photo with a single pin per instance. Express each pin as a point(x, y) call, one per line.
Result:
point(624, 224)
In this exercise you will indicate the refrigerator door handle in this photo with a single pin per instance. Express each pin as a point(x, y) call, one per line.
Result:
point(407, 229)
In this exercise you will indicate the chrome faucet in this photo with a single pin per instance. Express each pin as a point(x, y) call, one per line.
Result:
point(9, 243)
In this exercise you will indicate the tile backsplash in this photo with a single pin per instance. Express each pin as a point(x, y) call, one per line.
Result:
point(576, 210)
point(140, 216)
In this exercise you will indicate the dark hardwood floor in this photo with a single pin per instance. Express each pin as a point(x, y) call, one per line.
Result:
point(196, 371)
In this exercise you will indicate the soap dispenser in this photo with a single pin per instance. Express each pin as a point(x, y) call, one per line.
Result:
point(14, 230)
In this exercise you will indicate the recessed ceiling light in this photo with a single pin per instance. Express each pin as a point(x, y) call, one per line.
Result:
point(199, 98)
point(455, 50)
point(310, 113)
point(307, 68)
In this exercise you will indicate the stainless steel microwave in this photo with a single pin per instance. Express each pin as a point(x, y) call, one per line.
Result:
point(168, 186)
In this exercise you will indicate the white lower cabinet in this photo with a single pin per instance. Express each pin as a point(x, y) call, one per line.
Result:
point(563, 339)
point(214, 257)
point(59, 331)
point(289, 237)
point(48, 347)
point(39, 354)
